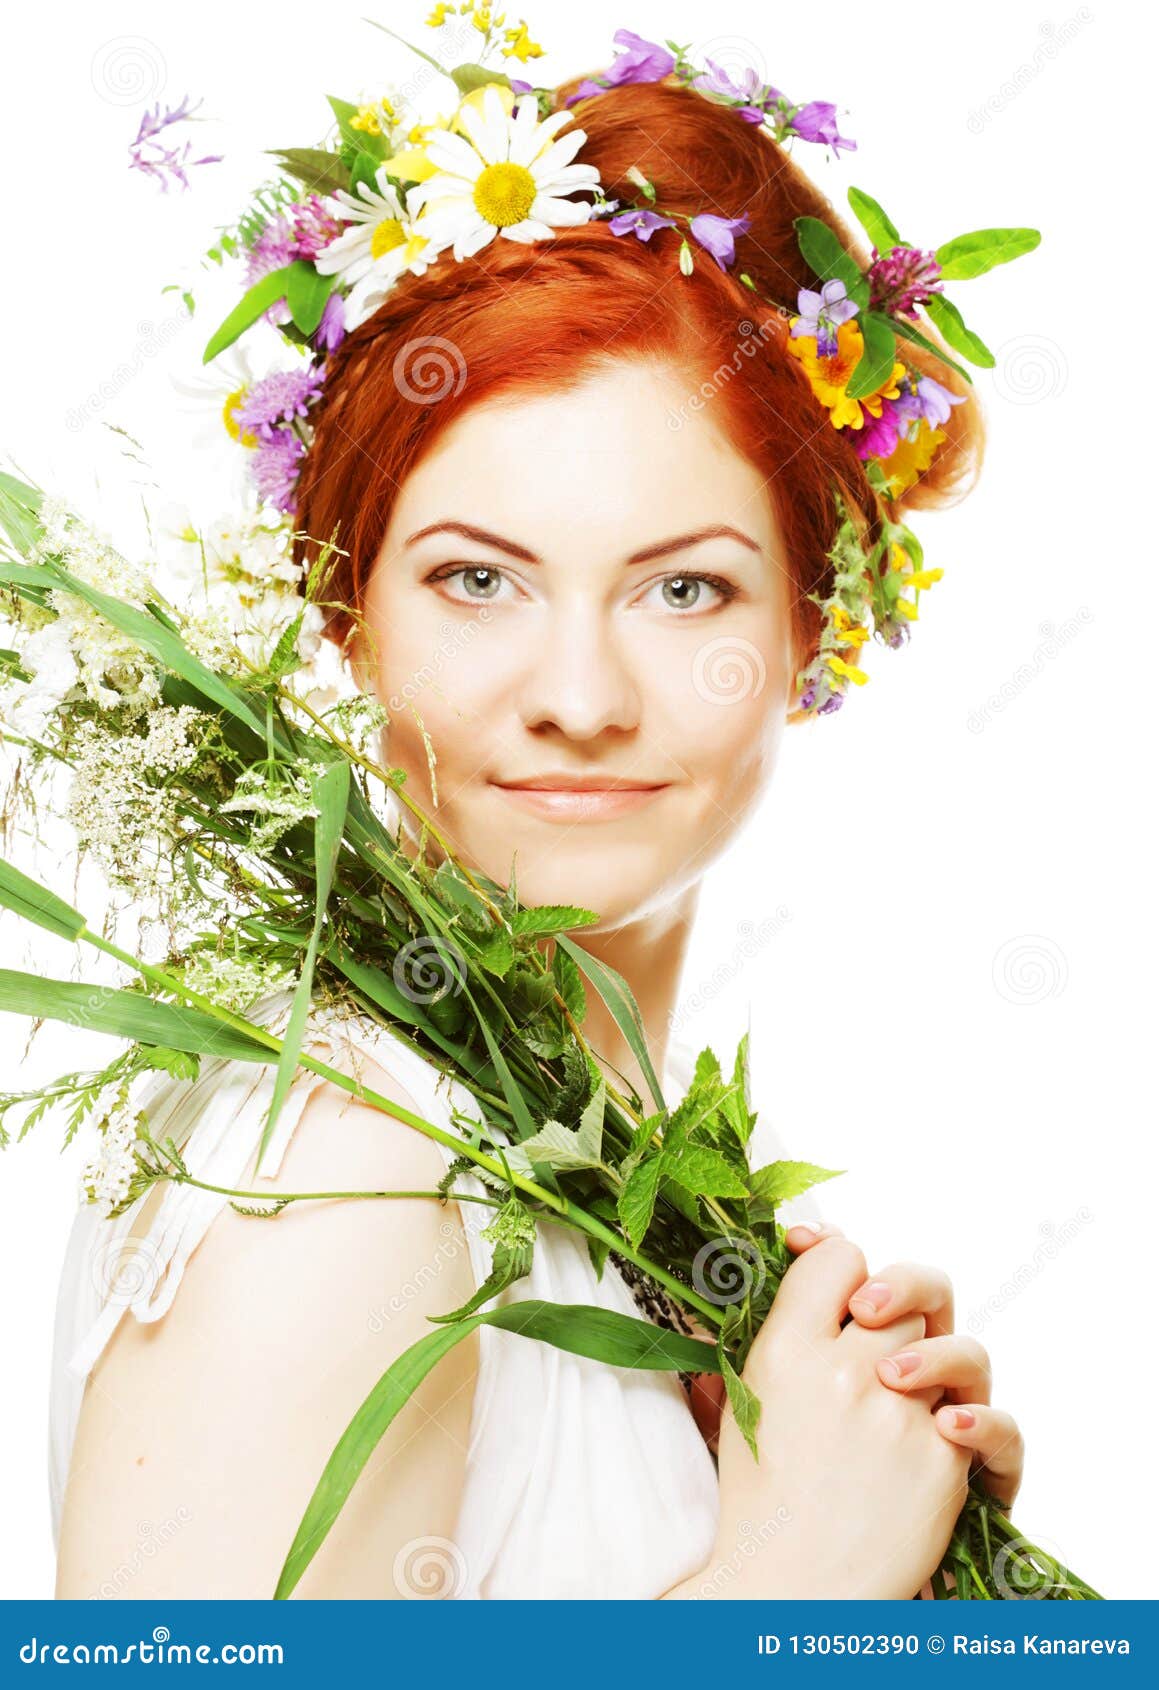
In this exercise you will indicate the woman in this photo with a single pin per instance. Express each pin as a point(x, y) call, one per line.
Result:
point(559, 558)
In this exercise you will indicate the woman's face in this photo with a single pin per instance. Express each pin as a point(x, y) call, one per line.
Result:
point(587, 611)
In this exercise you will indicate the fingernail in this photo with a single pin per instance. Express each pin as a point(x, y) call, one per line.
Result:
point(903, 1364)
point(808, 1226)
point(875, 1295)
point(963, 1417)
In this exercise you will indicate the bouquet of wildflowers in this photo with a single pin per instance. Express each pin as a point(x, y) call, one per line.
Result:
point(243, 816)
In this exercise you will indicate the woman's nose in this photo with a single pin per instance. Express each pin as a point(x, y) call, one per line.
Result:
point(579, 679)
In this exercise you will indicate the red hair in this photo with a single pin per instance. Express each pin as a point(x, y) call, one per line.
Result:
point(544, 316)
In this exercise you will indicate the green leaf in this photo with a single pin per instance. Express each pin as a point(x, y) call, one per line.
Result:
point(321, 171)
point(330, 791)
point(510, 1263)
point(128, 1015)
point(881, 231)
point(637, 1200)
point(777, 1182)
point(376, 147)
point(704, 1172)
point(33, 902)
point(617, 995)
point(707, 1067)
point(254, 304)
point(745, 1404)
point(946, 317)
point(570, 985)
point(551, 918)
point(827, 258)
point(973, 254)
point(497, 956)
point(20, 512)
point(306, 295)
point(180, 1063)
point(469, 77)
point(581, 1328)
point(908, 332)
point(734, 1105)
point(565, 1148)
point(877, 359)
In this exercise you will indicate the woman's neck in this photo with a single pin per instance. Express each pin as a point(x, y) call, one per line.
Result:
point(650, 955)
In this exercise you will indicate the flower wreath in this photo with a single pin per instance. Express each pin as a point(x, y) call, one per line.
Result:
point(390, 196)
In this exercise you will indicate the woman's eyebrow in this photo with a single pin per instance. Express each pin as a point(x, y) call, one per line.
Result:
point(662, 548)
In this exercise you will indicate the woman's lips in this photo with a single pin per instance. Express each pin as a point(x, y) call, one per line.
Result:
point(580, 803)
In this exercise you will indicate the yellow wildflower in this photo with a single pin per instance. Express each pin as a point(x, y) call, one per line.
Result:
point(366, 119)
point(846, 670)
point(922, 578)
point(852, 632)
point(829, 377)
point(439, 16)
point(908, 609)
point(520, 45)
point(911, 458)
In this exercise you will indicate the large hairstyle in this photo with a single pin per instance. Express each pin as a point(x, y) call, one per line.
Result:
point(543, 316)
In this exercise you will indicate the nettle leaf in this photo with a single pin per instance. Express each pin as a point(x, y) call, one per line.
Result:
point(777, 1182)
point(680, 1198)
point(881, 231)
point(689, 1113)
point(744, 1402)
point(321, 171)
point(510, 1263)
point(497, 956)
point(570, 985)
point(638, 1199)
point(639, 1142)
point(565, 1148)
point(182, 1064)
point(946, 317)
point(734, 1105)
point(704, 1172)
point(973, 254)
point(707, 1067)
point(551, 918)
point(598, 1252)
point(878, 357)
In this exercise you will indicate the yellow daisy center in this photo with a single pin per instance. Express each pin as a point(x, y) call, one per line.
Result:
point(504, 194)
point(229, 417)
point(387, 235)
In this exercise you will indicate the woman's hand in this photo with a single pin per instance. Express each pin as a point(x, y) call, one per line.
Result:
point(949, 1371)
point(857, 1489)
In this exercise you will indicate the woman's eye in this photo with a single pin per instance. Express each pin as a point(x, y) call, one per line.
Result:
point(689, 592)
point(477, 583)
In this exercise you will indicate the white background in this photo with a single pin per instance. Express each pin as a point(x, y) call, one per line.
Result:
point(944, 919)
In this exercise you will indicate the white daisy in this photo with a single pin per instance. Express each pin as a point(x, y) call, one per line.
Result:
point(383, 240)
point(505, 173)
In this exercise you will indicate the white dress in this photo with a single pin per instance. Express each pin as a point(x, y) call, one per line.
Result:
point(606, 1443)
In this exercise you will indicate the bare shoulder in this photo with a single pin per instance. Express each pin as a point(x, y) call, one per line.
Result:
point(208, 1429)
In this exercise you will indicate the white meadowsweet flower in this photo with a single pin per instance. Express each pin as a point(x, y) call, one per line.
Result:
point(46, 655)
point(106, 1177)
point(383, 240)
point(506, 174)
